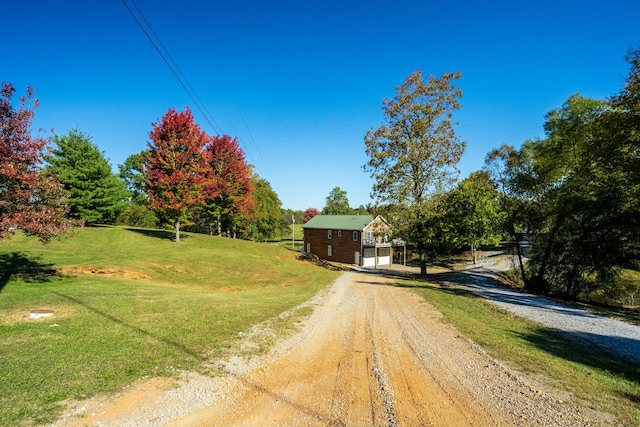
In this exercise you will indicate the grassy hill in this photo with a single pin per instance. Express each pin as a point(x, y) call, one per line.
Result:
point(130, 303)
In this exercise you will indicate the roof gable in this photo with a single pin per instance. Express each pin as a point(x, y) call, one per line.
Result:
point(339, 222)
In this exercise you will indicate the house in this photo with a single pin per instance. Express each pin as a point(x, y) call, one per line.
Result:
point(351, 239)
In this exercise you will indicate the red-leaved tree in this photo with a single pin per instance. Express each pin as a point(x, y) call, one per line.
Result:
point(229, 198)
point(308, 214)
point(29, 200)
point(176, 167)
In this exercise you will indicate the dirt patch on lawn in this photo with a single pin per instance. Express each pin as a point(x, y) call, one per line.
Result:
point(106, 272)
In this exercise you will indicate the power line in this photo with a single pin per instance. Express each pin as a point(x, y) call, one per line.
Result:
point(224, 110)
point(183, 81)
point(247, 127)
point(241, 117)
point(186, 86)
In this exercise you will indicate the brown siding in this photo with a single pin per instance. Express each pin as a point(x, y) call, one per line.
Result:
point(344, 248)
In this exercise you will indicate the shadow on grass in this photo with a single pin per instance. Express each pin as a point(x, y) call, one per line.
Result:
point(179, 346)
point(584, 348)
point(418, 281)
point(410, 281)
point(277, 397)
point(158, 234)
point(571, 346)
point(17, 264)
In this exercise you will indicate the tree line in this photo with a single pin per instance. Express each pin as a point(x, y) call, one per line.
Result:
point(574, 193)
point(185, 179)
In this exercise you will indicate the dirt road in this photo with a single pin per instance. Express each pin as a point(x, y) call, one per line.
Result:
point(372, 354)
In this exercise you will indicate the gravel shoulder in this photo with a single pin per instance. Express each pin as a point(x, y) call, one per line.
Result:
point(614, 336)
point(372, 354)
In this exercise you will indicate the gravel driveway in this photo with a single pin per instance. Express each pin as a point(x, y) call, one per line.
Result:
point(614, 336)
point(371, 354)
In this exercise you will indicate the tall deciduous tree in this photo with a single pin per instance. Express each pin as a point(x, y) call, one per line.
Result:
point(337, 203)
point(132, 173)
point(138, 213)
point(474, 212)
point(229, 198)
point(504, 166)
point(413, 154)
point(266, 215)
point(588, 224)
point(29, 200)
point(561, 187)
point(97, 195)
point(621, 124)
point(577, 191)
point(175, 167)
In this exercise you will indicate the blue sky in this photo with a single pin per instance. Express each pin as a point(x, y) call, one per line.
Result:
point(300, 82)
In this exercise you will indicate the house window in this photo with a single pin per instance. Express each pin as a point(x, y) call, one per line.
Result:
point(368, 236)
point(329, 250)
point(329, 234)
point(339, 233)
point(355, 236)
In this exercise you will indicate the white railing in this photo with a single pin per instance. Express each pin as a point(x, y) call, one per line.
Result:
point(374, 242)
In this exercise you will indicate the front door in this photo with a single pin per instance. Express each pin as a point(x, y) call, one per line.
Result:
point(356, 260)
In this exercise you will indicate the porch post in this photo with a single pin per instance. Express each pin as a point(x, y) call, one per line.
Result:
point(375, 256)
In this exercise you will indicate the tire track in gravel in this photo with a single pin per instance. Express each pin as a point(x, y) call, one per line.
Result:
point(371, 354)
point(424, 396)
point(359, 368)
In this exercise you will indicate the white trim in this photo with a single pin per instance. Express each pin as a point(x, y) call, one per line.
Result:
point(376, 218)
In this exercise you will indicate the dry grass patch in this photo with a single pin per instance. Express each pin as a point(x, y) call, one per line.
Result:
point(107, 272)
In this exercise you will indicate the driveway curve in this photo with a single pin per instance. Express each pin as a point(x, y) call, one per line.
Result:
point(614, 336)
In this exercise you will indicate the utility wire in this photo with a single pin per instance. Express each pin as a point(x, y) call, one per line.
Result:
point(208, 115)
point(231, 121)
point(187, 87)
point(183, 81)
point(224, 110)
point(246, 126)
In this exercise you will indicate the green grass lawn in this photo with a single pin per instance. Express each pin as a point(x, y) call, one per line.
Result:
point(132, 303)
point(151, 307)
point(596, 379)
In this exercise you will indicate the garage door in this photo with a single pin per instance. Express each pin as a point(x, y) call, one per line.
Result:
point(369, 259)
point(384, 256)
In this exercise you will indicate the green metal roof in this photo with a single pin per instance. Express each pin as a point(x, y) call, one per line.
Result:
point(339, 222)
